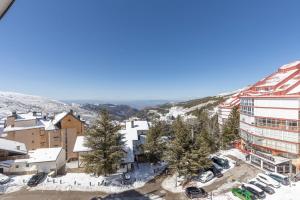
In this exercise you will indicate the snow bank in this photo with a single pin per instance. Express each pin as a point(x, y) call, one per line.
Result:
point(16, 183)
point(234, 152)
point(170, 182)
point(87, 182)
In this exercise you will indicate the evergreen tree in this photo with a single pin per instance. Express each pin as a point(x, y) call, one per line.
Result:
point(154, 147)
point(197, 158)
point(179, 146)
point(230, 131)
point(206, 128)
point(215, 134)
point(106, 144)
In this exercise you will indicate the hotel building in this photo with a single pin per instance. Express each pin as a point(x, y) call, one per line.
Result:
point(269, 120)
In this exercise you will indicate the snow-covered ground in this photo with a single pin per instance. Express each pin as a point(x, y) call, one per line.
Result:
point(87, 182)
point(283, 193)
point(234, 152)
point(11, 101)
point(170, 182)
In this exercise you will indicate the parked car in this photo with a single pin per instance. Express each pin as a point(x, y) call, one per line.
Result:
point(206, 176)
point(267, 180)
point(242, 194)
point(4, 179)
point(36, 179)
point(256, 191)
point(216, 171)
point(222, 162)
point(296, 178)
point(96, 198)
point(194, 192)
point(126, 179)
point(263, 186)
point(284, 180)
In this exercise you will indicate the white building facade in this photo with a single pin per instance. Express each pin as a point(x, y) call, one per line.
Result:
point(269, 120)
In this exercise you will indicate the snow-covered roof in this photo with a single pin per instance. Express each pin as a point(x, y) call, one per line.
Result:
point(59, 117)
point(130, 134)
point(36, 121)
point(283, 82)
point(28, 116)
point(43, 155)
point(292, 64)
point(79, 145)
point(12, 146)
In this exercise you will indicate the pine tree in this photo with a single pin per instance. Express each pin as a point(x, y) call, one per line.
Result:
point(230, 131)
point(206, 128)
point(179, 146)
point(196, 157)
point(154, 147)
point(106, 144)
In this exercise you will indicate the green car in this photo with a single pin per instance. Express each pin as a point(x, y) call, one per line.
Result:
point(242, 194)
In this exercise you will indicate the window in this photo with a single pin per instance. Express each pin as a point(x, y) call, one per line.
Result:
point(27, 164)
point(17, 166)
point(18, 147)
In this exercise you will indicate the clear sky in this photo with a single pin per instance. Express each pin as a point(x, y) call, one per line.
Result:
point(144, 49)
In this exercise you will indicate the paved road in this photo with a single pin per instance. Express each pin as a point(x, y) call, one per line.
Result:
point(151, 191)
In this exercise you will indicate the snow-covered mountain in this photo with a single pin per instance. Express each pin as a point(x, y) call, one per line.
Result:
point(11, 101)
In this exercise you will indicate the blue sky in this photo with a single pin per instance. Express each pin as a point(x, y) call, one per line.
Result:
point(138, 49)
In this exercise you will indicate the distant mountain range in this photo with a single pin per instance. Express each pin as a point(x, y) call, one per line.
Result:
point(148, 109)
point(11, 101)
point(138, 104)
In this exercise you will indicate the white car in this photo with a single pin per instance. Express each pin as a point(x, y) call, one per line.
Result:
point(267, 180)
point(4, 179)
point(284, 180)
point(206, 176)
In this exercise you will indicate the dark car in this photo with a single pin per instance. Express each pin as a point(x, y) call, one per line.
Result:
point(222, 162)
point(257, 192)
point(296, 178)
point(96, 198)
point(263, 186)
point(194, 192)
point(217, 172)
point(36, 179)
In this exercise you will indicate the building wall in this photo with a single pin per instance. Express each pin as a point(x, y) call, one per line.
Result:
point(32, 138)
point(72, 122)
point(23, 167)
point(65, 137)
point(69, 136)
point(277, 136)
point(223, 114)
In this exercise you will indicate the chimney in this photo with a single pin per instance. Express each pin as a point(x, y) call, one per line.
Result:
point(78, 116)
point(14, 114)
point(71, 111)
point(34, 113)
point(132, 124)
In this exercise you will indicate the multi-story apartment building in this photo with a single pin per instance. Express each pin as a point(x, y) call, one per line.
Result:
point(269, 120)
point(38, 131)
point(225, 108)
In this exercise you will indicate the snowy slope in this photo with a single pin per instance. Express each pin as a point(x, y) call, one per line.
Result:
point(11, 101)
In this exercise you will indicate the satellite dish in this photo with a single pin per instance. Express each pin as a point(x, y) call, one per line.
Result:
point(4, 6)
